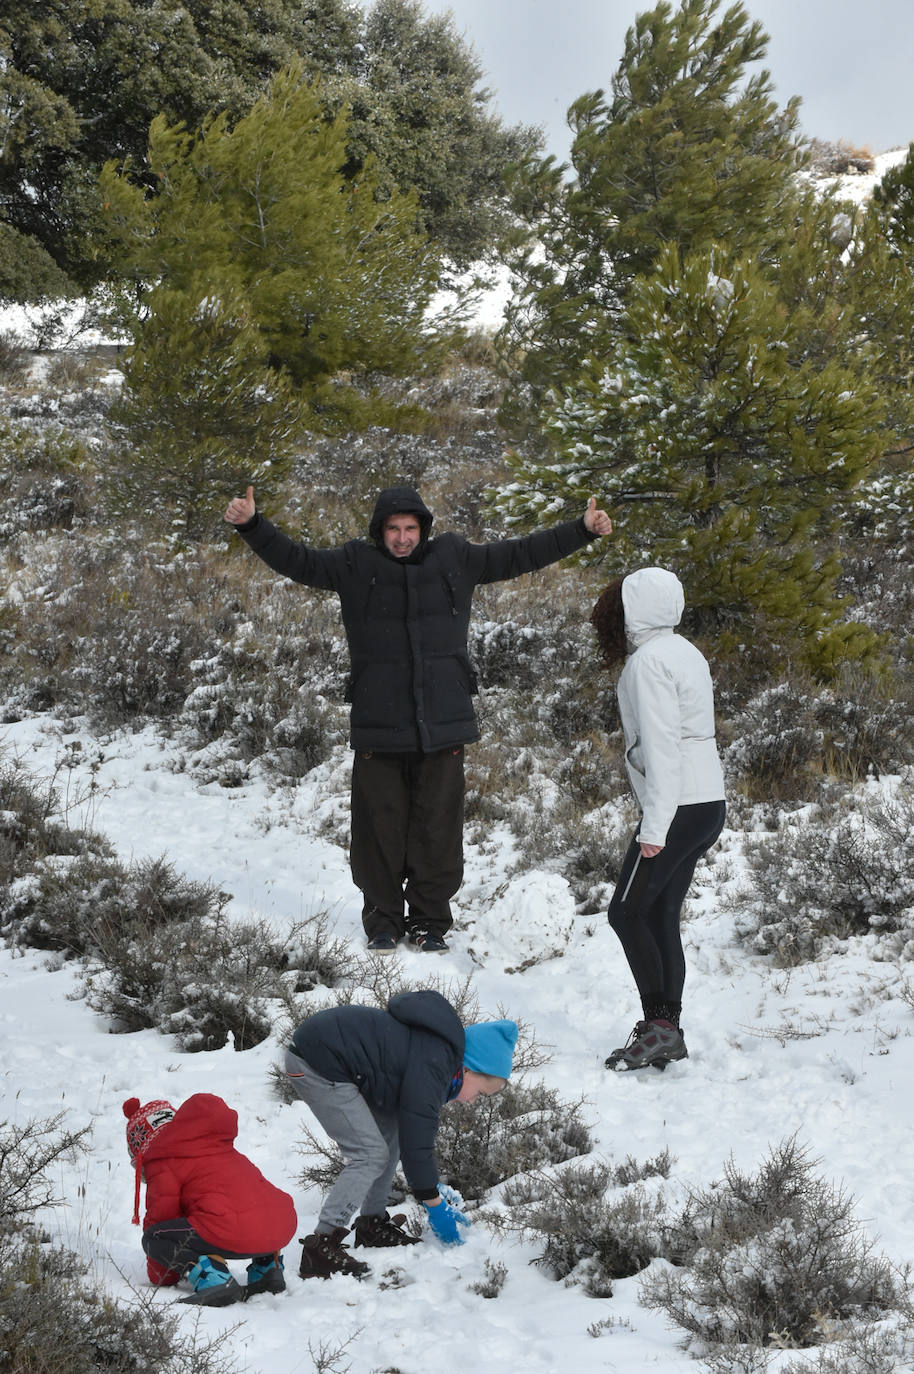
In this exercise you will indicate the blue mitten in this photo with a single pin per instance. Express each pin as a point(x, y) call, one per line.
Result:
point(446, 1221)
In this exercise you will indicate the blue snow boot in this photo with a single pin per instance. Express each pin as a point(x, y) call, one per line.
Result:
point(265, 1275)
point(213, 1284)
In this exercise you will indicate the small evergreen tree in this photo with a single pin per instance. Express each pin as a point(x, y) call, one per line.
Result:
point(333, 278)
point(726, 456)
point(893, 198)
point(684, 152)
point(202, 411)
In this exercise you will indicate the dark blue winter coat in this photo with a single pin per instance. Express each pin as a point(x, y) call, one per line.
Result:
point(407, 620)
point(402, 1060)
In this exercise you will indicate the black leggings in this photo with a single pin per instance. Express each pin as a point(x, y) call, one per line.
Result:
point(646, 905)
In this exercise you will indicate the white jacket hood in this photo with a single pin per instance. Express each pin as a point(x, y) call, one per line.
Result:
point(652, 599)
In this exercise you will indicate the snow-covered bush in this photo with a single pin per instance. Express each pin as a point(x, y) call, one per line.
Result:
point(792, 732)
point(208, 980)
point(840, 869)
point(585, 846)
point(274, 689)
point(45, 479)
point(79, 905)
point(108, 626)
point(596, 1222)
point(769, 1258)
point(868, 1345)
point(31, 828)
point(525, 1127)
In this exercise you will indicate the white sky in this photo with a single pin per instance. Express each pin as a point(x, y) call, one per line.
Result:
point(849, 60)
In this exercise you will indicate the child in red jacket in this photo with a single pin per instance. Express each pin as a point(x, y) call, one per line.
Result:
point(205, 1201)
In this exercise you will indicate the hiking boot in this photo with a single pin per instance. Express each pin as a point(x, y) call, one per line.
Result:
point(382, 944)
point(213, 1284)
point(383, 1230)
point(324, 1254)
point(651, 1044)
point(265, 1275)
point(427, 942)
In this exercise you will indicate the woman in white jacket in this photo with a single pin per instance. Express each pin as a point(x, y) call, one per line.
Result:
point(666, 702)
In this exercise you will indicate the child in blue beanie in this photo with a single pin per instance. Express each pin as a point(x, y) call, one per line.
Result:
point(376, 1081)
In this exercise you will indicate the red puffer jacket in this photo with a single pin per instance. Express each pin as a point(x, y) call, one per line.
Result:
point(193, 1170)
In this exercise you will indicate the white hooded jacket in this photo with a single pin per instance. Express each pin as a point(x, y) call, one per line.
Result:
point(666, 701)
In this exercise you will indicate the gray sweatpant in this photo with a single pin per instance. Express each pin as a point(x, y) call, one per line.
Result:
point(367, 1137)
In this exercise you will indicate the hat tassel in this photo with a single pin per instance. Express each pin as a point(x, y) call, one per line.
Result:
point(136, 1193)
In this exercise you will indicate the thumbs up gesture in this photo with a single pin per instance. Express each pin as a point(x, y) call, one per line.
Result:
point(597, 521)
point(241, 509)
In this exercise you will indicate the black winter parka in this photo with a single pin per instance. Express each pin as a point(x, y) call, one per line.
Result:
point(407, 620)
point(402, 1060)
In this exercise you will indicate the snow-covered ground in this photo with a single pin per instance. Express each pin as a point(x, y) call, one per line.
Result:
point(825, 1051)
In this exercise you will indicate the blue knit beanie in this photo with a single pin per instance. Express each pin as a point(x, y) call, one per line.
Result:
point(490, 1047)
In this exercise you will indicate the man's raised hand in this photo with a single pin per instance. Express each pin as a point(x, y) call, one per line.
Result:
point(597, 521)
point(241, 509)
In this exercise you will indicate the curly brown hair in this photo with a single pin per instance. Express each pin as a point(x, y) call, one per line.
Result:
point(608, 619)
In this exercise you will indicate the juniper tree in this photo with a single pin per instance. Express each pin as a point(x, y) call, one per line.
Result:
point(725, 454)
point(419, 110)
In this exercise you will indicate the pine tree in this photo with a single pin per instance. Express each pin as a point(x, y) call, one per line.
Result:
point(334, 278)
point(684, 345)
point(201, 412)
point(893, 200)
point(723, 454)
point(82, 80)
point(684, 152)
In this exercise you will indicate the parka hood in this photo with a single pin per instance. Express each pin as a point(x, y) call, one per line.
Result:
point(428, 1010)
point(398, 501)
point(652, 599)
point(203, 1119)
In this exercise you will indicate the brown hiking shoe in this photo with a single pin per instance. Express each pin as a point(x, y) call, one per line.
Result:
point(383, 1230)
point(324, 1254)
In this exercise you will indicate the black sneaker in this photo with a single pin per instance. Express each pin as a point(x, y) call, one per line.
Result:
point(325, 1254)
point(382, 944)
point(427, 942)
point(383, 1230)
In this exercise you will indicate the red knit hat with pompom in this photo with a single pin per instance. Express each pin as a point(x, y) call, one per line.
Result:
point(143, 1124)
